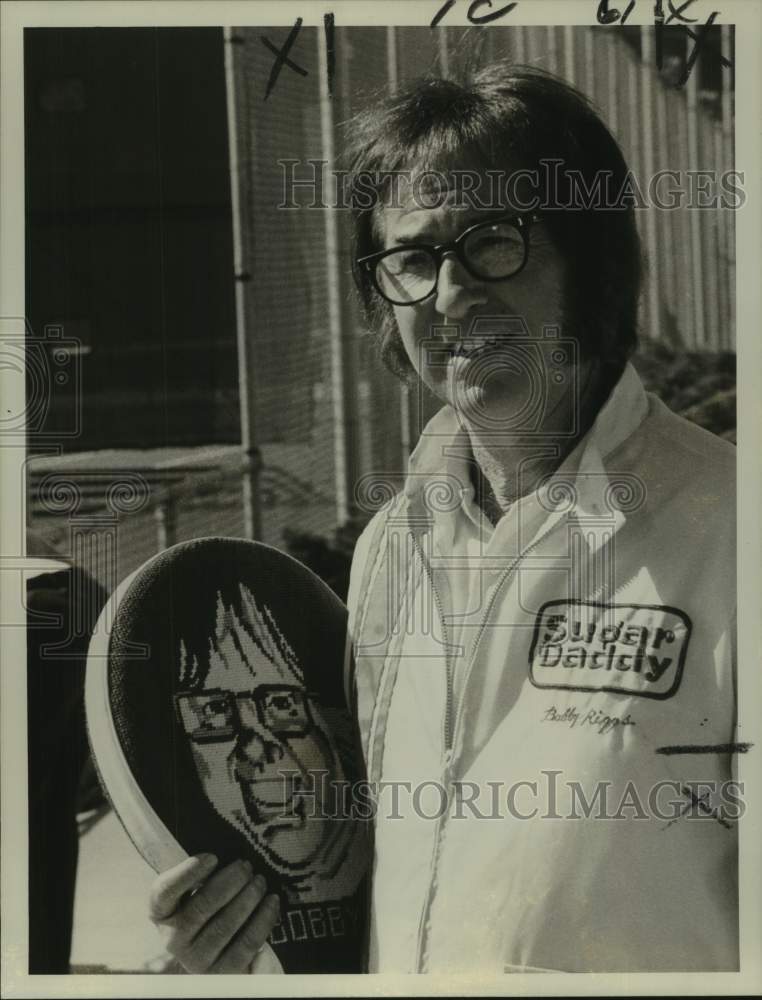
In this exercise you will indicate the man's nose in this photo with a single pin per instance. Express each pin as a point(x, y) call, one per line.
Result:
point(253, 753)
point(256, 747)
point(457, 290)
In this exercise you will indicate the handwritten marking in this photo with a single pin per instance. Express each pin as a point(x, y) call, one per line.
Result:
point(282, 56)
point(697, 748)
point(329, 23)
point(700, 803)
point(472, 15)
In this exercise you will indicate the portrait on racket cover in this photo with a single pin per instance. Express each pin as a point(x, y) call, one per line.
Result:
point(267, 752)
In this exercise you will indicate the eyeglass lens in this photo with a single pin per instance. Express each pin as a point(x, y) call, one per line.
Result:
point(213, 716)
point(491, 252)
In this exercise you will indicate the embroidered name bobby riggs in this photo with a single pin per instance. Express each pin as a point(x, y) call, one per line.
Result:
point(634, 648)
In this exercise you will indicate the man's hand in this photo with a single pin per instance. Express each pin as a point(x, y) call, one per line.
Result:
point(216, 922)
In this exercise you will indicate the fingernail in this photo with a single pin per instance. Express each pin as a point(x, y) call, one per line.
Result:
point(206, 861)
point(273, 902)
point(246, 865)
point(260, 882)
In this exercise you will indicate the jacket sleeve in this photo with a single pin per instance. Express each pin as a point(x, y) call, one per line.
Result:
point(357, 572)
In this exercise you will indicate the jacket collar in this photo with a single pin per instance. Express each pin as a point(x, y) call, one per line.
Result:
point(580, 487)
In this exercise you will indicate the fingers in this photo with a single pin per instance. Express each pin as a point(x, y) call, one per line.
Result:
point(224, 922)
point(209, 899)
point(266, 963)
point(252, 931)
point(215, 936)
point(170, 887)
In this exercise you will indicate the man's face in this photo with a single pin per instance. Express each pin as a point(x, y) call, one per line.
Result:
point(483, 369)
point(250, 724)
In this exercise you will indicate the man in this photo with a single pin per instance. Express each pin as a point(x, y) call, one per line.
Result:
point(543, 619)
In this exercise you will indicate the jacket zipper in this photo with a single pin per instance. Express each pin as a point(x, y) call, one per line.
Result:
point(449, 672)
point(450, 722)
point(498, 587)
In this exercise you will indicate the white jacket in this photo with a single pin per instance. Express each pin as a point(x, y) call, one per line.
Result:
point(596, 647)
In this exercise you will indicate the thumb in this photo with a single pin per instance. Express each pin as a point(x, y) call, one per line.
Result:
point(266, 962)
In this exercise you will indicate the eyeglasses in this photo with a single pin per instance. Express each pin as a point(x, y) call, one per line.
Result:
point(489, 251)
point(215, 716)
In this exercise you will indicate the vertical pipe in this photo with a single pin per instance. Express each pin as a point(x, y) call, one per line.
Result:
point(648, 118)
point(666, 233)
point(339, 355)
point(444, 55)
point(708, 231)
point(569, 68)
point(719, 244)
point(551, 41)
point(685, 271)
point(613, 84)
point(250, 454)
point(165, 520)
point(520, 45)
point(589, 61)
point(633, 146)
point(392, 73)
point(530, 37)
point(729, 161)
point(697, 275)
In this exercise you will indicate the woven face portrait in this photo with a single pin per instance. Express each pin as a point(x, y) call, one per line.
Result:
point(243, 744)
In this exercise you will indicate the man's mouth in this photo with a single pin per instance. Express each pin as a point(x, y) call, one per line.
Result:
point(268, 799)
point(486, 334)
point(475, 348)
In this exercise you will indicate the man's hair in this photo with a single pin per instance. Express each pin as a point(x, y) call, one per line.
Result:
point(507, 118)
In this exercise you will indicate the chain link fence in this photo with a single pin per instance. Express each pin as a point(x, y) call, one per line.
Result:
point(322, 411)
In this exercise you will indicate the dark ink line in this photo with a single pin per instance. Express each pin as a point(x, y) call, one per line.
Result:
point(724, 61)
point(330, 49)
point(282, 55)
point(700, 40)
point(486, 18)
point(441, 13)
point(658, 33)
point(679, 12)
point(700, 803)
point(697, 748)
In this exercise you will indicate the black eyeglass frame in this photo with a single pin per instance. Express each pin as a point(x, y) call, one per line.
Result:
point(231, 699)
point(522, 223)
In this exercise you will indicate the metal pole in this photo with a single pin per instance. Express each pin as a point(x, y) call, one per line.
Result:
point(164, 517)
point(719, 227)
point(648, 117)
point(613, 84)
point(530, 38)
point(552, 43)
point(343, 375)
point(392, 73)
point(519, 35)
point(708, 229)
point(444, 55)
point(589, 62)
point(697, 275)
point(569, 69)
point(728, 160)
point(250, 454)
point(665, 216)
point(685, 308)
